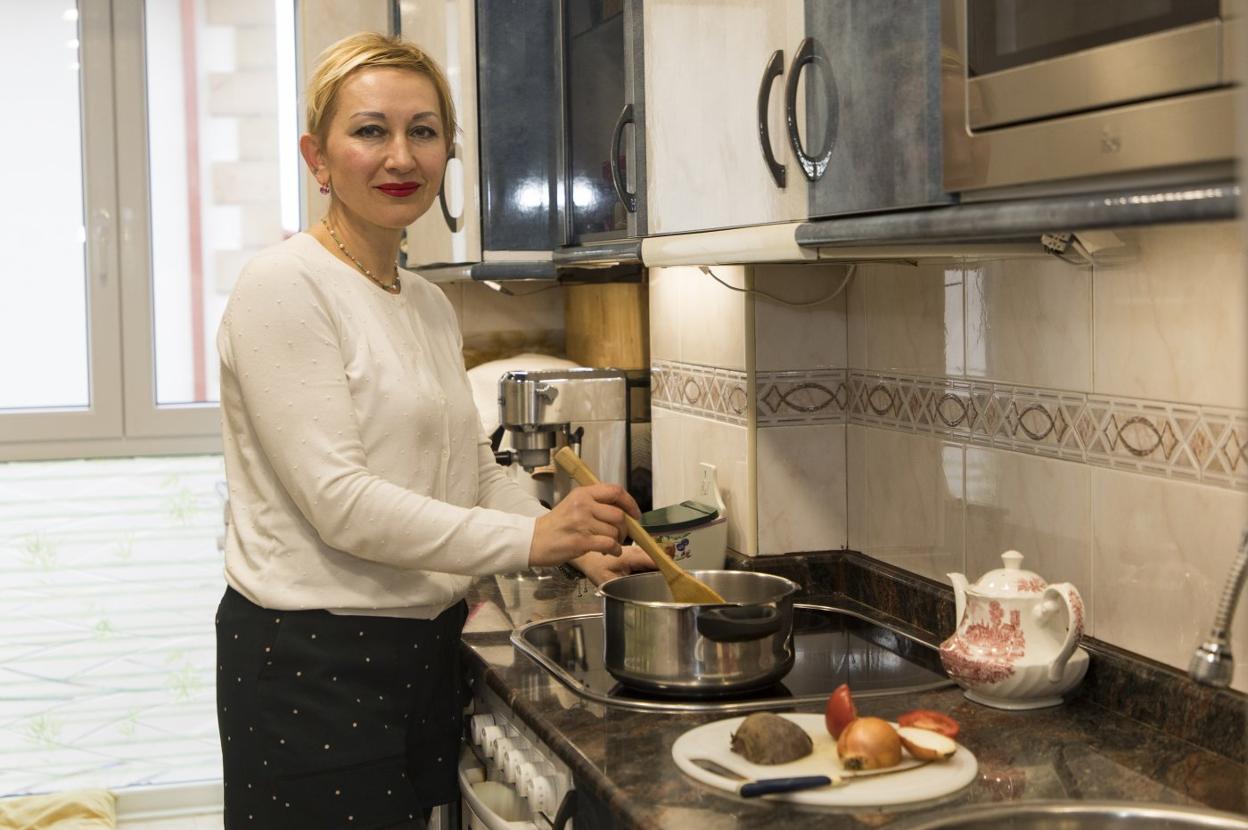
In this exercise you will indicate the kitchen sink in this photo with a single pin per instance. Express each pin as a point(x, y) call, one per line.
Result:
point(1078, 815)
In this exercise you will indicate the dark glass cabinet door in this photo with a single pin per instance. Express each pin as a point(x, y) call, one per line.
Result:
point(871, 73)
point(605, 145)
point(521, 120)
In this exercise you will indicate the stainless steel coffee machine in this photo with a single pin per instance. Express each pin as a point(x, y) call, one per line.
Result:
point(586, 409)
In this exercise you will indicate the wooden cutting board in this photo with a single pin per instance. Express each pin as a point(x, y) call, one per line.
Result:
point(911, 781)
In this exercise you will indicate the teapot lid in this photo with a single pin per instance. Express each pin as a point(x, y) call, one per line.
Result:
point(1011, 580)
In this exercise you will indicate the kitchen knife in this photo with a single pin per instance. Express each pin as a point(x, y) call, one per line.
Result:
point(763, 786)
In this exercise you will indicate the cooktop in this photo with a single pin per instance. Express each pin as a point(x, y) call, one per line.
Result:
point(831, 646)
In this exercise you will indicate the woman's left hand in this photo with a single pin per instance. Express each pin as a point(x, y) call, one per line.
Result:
point(599, 567)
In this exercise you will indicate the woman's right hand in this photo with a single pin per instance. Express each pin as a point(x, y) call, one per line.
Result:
point(587, 519)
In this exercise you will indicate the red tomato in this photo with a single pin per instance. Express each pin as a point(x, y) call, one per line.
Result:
point(840, 710)
point(931, 720)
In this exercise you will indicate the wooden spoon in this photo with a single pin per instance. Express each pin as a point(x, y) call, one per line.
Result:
point(684, 587)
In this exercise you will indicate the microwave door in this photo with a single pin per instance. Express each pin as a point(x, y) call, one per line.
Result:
point(1031, 59)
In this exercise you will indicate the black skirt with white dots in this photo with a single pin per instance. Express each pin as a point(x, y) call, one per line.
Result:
point(331, 721)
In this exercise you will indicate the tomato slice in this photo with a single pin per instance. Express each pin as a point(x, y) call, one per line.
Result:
point(931, 720)
point(839, 711)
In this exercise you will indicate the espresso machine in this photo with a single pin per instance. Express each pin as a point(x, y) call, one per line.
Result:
point(586, 409)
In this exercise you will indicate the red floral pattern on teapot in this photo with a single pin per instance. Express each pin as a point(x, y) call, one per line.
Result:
point(1004, 641)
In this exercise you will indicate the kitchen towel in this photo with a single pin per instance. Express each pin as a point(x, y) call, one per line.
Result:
point(73, 810)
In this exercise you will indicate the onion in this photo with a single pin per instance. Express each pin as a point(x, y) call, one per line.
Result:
point(925, 744)
point(869, 743)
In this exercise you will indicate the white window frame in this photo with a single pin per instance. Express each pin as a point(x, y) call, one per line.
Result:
point(103, 417)
point(122, 417)
point(143, 418)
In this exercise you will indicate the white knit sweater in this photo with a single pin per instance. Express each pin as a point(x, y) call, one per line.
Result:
point(360, 479)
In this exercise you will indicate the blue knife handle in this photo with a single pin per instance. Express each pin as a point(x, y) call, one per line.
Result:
point(768, 786)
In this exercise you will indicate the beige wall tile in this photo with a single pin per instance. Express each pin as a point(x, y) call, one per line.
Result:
point(1029, 321)
point(727, 447)
point(713, 327)
point(801, 488)
point(667, 299)
point(1040, 507)
point(1162, 551)
point(694, 319)
point(905, 500)
point(667, 463)
point(1170, 324)
point(787, 337)
point(856, 320)
point(679, 443)
point(910, 319)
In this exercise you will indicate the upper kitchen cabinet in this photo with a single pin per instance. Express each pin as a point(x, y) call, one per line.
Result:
point(871, 71)
point(717, 151)
point(501, 193)
point(605, 109)
point(770, 111)
point(451, 231)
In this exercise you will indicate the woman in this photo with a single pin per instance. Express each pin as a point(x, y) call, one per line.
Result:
point(364, 497)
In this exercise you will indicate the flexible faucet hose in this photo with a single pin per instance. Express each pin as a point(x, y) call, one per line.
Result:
point(1230, 596)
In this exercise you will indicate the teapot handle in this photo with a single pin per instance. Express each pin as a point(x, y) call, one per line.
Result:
point(1055, 596)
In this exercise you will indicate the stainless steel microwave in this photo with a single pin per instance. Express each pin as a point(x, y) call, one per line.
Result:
point(1052, 90)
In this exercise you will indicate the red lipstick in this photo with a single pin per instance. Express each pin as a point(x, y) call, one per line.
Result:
point(399, 189)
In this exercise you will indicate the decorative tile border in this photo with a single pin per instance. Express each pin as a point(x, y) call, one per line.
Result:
point(818, 396)
point(1182, 441)
point(706, 391)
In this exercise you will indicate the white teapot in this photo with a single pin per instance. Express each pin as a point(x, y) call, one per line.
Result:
point(1017, 641)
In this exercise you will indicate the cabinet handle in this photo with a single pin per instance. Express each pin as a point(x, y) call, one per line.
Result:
point(617, 178)
point(775, 68)
point(455, 223)
point(813, 165)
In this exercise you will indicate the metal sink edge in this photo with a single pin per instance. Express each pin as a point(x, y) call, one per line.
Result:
point(711, 704)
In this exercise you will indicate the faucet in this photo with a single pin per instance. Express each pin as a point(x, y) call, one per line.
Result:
point(1212, 664)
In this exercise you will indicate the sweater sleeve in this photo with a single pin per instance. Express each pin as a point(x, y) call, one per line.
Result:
point(279, 343)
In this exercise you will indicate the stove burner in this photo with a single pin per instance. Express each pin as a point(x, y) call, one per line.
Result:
point(831, 647)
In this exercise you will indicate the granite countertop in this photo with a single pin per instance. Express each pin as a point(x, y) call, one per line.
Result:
point(625, 775)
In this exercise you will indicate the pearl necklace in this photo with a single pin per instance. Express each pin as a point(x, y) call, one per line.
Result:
point(393, 287)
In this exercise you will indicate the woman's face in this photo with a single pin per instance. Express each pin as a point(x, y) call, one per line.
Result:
point(384, 149)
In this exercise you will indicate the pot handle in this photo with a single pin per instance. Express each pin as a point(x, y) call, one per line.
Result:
point(738, 624)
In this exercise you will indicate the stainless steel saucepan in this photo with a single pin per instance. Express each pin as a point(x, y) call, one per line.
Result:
point(699, 650)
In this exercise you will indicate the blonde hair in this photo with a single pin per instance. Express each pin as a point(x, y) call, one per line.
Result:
point(363, 51)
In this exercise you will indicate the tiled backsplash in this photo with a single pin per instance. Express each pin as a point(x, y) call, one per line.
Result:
point(1184, 441)
point(934, 415)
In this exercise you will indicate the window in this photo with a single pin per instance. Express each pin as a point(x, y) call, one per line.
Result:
point(145, 141)
point(157, 155)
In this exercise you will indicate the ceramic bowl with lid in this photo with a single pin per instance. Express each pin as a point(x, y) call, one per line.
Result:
point(694, 534)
